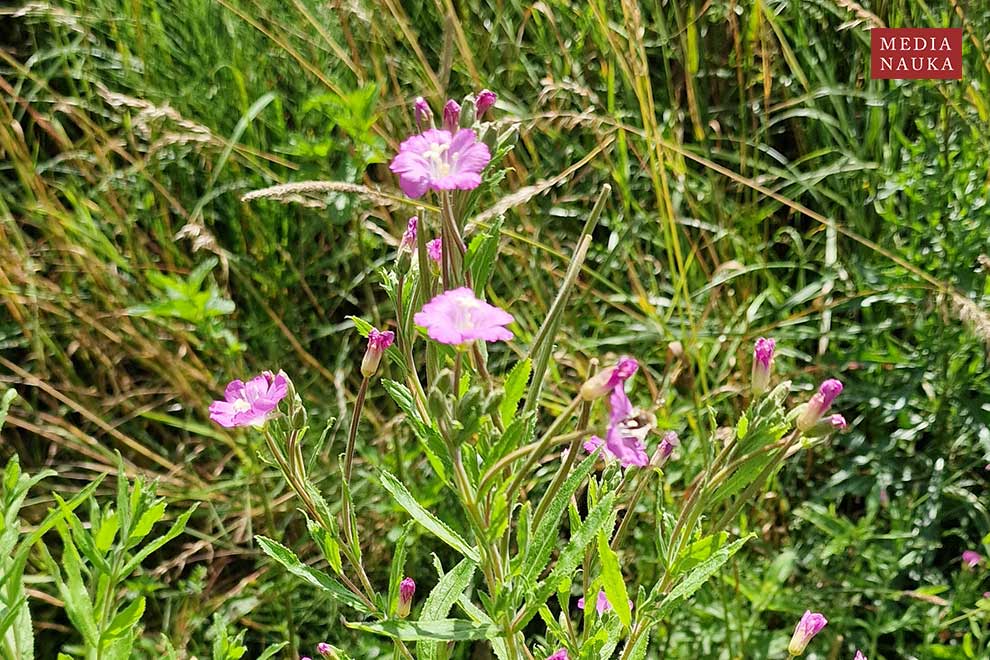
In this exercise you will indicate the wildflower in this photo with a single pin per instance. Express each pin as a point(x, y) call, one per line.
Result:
point(602, 605)
point(560, 654)
point(971, 559)
point(607, 380)
point(409, 235)
point(457, 316)
point(377, 343)
point(305, 657)
point(250, 403)
point(440, 160)
point(762, 364)
point(667, 444)
point(859, 655)
point(838, 422)
point(434, 249)
point(422, 113)
point(407, 588)
point(819, 404)
point(627, 427)
point(451, 115)
point(486, 99)
point(986, 594)
point(809, 626)
point(324, 649)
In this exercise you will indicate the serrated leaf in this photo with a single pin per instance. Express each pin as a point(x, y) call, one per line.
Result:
point(481, 254)
point(544, 537)
point(614, 585)
point(146, 522)
point(177, 528)
point(441, 599)
point(514, 389)
point(444, 630)
point(313, 576)
point(426, 519)
point(697, 577)
point(428, 436)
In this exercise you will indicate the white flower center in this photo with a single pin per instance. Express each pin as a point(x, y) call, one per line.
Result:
point(437, 156)
point(241, 405)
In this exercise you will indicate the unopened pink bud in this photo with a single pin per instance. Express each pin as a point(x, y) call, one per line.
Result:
point(561, 654)
point(422, 113)
point(486, 99)
point(409, 235)
point(606, 380)
point(451, 115)
point(378, 342)
point(810, 625)
point(324, 649)
point(819, 404)
point(762, 365)
point(407, 589)
point(971, 558)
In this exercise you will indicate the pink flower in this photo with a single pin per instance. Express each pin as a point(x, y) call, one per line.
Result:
point(378, 342)
point(838, 422)
point(602, 604)
point(560, 654)
point(440, 160)
point(810, 625)
point(606, 380)
point(986, 594)
point(457, 316)
point(819, 404)
point(971, 559)
point(249, 404)
point(486, 99)
point(667, 444)
point(762, 364)
point(859, 655)
point(624, 438)
point(422, 113)
point(451, 115)
point(409, 235)
point(324, 649)
point(434, 249)
point(407, 589)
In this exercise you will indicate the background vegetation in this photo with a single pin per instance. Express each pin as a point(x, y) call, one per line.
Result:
point(764, 185)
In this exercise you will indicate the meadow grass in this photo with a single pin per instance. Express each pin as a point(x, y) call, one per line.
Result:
point(763, 185)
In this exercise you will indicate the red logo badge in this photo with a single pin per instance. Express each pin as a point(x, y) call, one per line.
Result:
point(916, 53)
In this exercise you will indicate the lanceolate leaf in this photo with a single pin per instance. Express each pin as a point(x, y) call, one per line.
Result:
point(615, 586)
point(444, 630)
point(425, 518)
point(441, 599)
point(313, 576)
point(697, 577)
point(514, 388)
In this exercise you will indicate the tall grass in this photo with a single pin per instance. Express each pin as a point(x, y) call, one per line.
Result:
point(764, 186)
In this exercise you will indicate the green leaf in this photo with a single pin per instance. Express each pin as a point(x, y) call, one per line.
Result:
point(272, 650)
point(444, 630)
point(515, 388)
point(145, 523)
point(107, 532)
point(8, 398)
point(78, 605)
point(481, 254)
point(441, 599)
point(125, 620)
point(615, 586)
point(425, 518)
point(177, 528)
point(697, 577)
point(699, 551)
point(428, 436)
point(313, 576)
point(572, 555)
point(397, 571)
point(544, 537)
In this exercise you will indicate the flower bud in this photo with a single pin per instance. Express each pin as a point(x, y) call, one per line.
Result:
point(666, 447)
point(827, 425)
point(434, 250)
point(407, 588)
point(762, 364)
point(408, 242)
point(468, 112)
point(422, 114)
point(377, 343)
point(485, 100)
point(451, 115)
point(859, 655)
point(606, 380)
point(325, 650)
point(809, 626)
point(819, 404)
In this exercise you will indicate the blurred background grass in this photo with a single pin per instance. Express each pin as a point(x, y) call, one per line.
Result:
point(764, 186)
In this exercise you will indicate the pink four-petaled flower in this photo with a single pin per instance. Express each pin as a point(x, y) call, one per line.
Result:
point(458, 316)
point(601, 605)
point(440, 160)
point(250, 403)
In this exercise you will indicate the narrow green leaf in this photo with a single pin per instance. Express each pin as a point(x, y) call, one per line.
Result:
point(614, 585)
point(145, 523)
point(444, 630)
point(441, 599)
point(514, 388)
point(481, 254)
point(696, 578)
point(78, 604)
point(107, 532)
point(397, 571)
point(314, 576)
point(428, 436)
point(125, 620)
point(177, 528)
point(424, 517)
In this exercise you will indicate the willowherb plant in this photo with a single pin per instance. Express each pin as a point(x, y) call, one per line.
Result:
point(531, 547)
